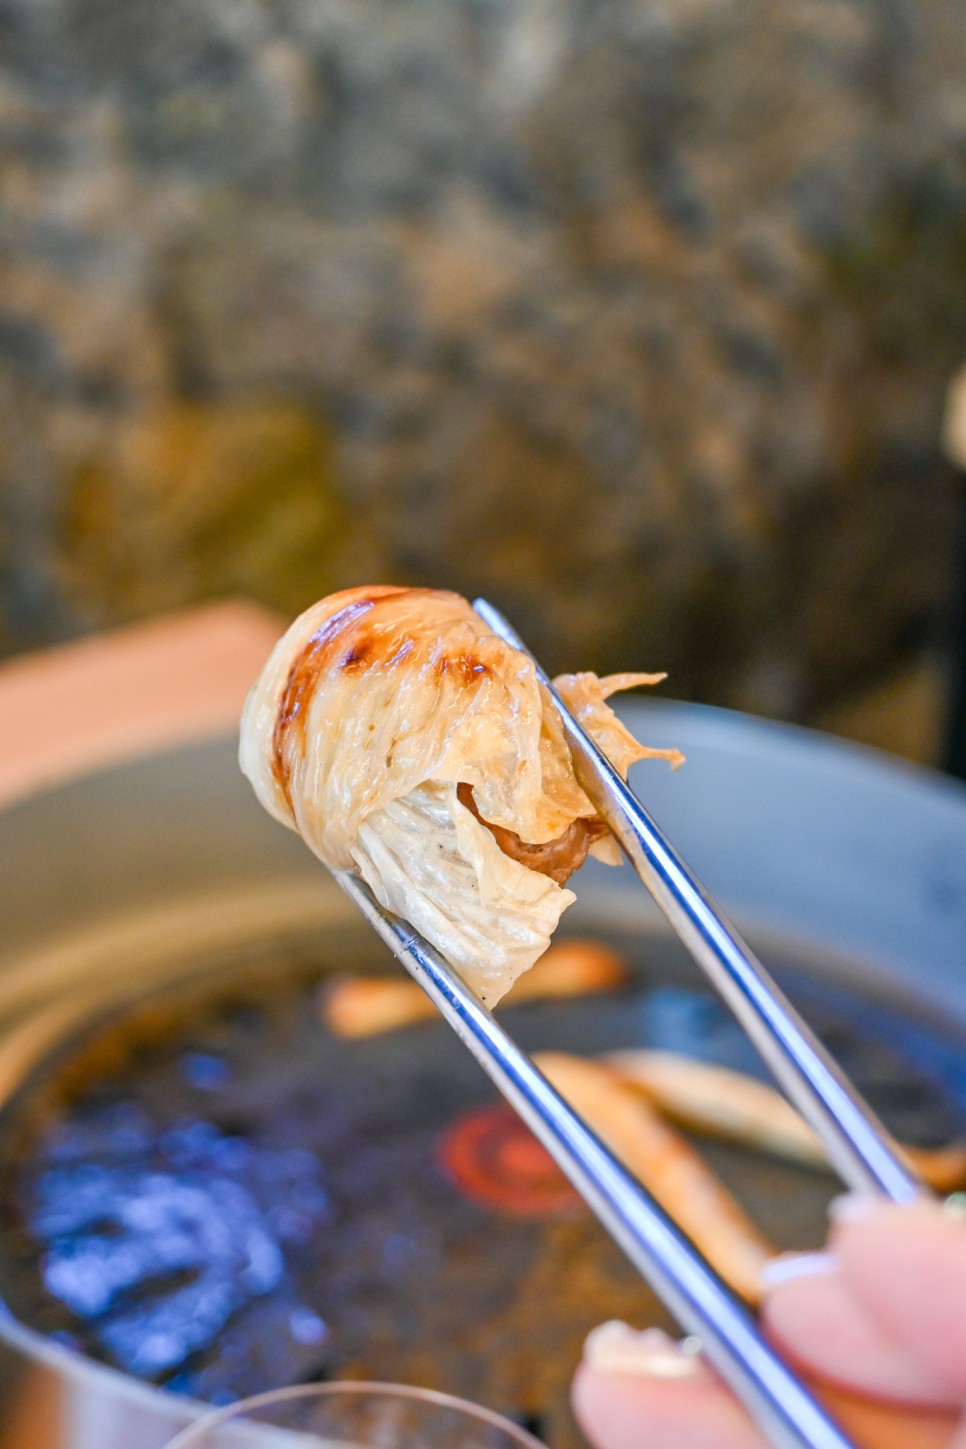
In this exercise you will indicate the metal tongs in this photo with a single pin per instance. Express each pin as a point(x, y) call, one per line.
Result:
point(857, 1143)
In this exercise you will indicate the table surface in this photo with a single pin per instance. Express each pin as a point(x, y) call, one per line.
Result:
point(171, 680)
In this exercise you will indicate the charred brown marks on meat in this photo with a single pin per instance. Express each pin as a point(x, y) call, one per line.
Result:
point(465, 667)
point(558, 858)
point(353, 628)
point(357, 656)
point(314, 657)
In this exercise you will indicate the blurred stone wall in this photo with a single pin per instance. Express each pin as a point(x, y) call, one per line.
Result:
point(636, 315)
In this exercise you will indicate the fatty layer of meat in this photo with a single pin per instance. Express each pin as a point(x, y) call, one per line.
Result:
point(406, 742)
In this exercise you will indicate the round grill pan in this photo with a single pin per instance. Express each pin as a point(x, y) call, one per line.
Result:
point(379, 1219)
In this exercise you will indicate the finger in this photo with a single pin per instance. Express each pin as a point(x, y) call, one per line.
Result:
point(907, 1269)
point(641, 1387)
point(811, 1313)
point(635, 1388)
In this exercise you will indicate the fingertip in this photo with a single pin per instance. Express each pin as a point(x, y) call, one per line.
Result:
point(906, 1267)
point(626, 1411)
point(812, 1312)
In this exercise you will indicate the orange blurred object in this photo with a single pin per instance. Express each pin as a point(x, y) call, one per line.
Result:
point(168, 681)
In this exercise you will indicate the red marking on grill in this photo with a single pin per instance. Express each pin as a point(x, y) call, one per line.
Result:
point(494, 1160)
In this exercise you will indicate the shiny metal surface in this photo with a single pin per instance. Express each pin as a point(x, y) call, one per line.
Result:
point(786, 1412)
point(50, 1399)
point(856, 1141)
point(858, 861)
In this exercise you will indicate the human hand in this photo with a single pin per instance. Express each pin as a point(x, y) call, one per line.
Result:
point(877, 1324)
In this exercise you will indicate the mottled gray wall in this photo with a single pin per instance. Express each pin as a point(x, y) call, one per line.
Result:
point(637, 316)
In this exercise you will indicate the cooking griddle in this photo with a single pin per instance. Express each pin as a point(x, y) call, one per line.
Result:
point(212, 1192)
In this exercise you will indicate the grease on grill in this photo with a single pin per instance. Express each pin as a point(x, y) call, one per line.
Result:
point(224, 1197)
point(492, 1158)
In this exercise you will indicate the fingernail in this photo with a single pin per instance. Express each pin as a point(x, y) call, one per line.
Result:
point(616, 1348)
point(796, 1265)
point(860, 1207)
point(854, 1207)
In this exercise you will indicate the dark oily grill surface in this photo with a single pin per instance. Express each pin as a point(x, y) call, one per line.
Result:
point(217, 1195)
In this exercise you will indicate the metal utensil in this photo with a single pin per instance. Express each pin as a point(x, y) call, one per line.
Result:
point(856, 1141)
point(785, 1410)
